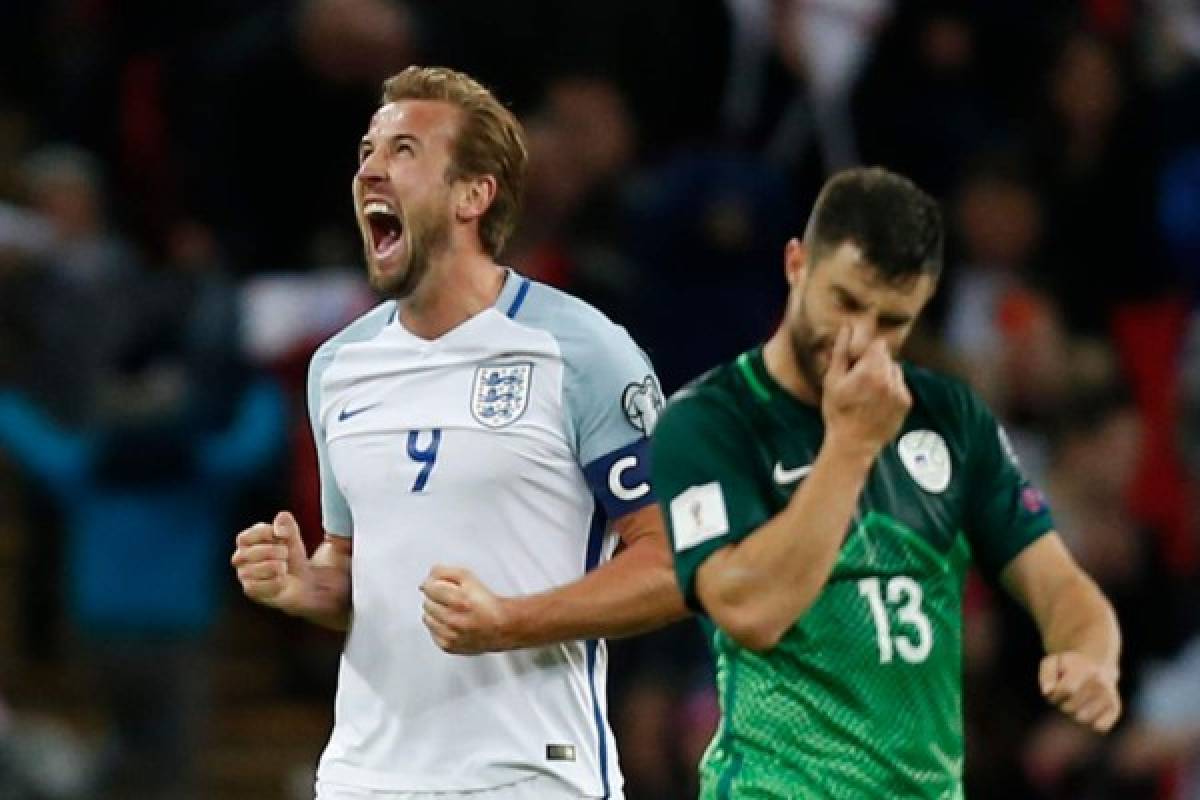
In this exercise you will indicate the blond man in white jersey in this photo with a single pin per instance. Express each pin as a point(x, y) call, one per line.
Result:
point(482, 438)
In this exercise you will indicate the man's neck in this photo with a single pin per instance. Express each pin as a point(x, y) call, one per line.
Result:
point(457, 287)
point(780, 360)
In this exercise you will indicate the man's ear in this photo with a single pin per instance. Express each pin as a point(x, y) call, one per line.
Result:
point(795, 261)
point(474, 197)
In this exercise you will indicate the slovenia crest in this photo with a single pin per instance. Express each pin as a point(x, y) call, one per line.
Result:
point(926, 457)
point(500, 393)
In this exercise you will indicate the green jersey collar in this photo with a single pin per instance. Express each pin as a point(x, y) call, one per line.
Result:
point(766, 389)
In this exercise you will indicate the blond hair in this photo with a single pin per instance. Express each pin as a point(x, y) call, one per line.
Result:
point(490, 141)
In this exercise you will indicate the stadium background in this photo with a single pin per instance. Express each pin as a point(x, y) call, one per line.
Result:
point(176, 237)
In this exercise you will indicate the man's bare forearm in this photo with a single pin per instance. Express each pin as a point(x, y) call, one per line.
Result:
point(757, 588)
point(632, 593)
point(1079, 619)
point(326, 600)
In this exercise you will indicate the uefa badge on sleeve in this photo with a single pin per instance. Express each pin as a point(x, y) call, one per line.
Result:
point(642, 403)
point(1032, 500)
point(500, 393)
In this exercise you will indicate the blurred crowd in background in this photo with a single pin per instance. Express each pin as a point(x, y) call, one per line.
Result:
point(176, 237)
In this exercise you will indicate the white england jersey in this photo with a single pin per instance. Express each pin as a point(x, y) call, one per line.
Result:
point(503, 447)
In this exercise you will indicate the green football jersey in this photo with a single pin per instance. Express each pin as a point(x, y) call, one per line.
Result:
point(862, 697)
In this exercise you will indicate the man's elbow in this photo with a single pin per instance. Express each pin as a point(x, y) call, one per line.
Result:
point(750, 627)
point(747, 605)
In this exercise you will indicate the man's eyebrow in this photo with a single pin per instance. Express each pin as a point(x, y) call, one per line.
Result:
point(396, 137)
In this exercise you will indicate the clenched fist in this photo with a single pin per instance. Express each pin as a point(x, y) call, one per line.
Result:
point(1081, 689)
point(463, 615)
point(272, 564)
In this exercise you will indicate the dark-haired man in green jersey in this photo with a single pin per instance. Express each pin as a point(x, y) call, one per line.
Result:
point(824, 503)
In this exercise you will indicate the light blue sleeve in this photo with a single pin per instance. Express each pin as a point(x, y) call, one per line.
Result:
point(335, 511)
point(611, 392)
point(612, 399)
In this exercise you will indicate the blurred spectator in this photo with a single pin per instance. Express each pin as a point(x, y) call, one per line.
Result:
point(144, 487)
point(145, 508)
point(66, 189)
point(304, 77)
point(707, 230)
point(42, 760)
point(71, 297)
point(793, 67)
point(1174, 46)
point(1096, 451)
point(670, 58)
point(923, 107)
point(1096, 161)
point(1003, 330)
point(582, 144)
point(23, 234)
point(1164, 729)
point(1098, 441)
point(346, 41)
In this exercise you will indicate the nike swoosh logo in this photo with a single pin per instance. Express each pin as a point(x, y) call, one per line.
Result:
point(347, 413)
point(790, 475)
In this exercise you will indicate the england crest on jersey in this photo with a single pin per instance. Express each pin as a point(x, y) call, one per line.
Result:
point(500, 393)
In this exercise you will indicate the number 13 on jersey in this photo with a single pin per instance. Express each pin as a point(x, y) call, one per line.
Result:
point(912, 646)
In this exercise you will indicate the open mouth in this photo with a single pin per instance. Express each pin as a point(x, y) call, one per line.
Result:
point(386, 228)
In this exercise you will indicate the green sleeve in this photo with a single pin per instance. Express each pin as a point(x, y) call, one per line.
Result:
point(703, 470)
point(1005, 512)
